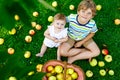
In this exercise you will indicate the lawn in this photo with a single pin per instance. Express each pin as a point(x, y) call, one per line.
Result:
point(14, 30)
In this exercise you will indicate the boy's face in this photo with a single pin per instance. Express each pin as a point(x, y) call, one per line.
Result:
point(84, 15)
point(59, 24)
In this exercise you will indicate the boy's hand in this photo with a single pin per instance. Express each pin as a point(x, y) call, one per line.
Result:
point(78, 44)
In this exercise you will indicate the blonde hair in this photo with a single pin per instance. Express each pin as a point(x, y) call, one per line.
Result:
point(85, 4)
point(60, 16)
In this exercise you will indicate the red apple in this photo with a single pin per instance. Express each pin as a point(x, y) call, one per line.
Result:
point(31, 32)
point(105, 51)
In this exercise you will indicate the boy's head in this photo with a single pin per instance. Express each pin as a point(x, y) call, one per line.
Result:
point(59, 21)
point(86, 4)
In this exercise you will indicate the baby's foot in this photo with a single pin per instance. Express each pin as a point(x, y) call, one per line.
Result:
point(39, 55)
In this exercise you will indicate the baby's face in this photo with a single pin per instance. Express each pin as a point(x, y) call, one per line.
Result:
point(85, 15)
point(59, 24)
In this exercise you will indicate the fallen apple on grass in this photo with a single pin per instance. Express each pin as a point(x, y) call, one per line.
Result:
point(111, 72)
point(108, 58)
point(89, 73)
point(93, 62)
point(102, 72)
point(105, 51)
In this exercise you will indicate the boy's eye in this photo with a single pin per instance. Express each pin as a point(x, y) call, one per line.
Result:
point(89, 13)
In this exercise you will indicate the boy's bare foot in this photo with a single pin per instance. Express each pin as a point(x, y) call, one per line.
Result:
point(39, 55)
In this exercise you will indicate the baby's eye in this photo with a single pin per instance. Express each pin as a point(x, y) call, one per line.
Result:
point(57, 23)
point(62, 24)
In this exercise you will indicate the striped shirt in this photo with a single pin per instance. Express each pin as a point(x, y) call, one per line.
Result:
point(78, 31)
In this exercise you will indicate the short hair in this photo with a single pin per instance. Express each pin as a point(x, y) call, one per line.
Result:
point(60, 16)
point(85, 4)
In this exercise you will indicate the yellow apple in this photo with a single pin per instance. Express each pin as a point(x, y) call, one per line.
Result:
point(102, 72)
point(12, 78)
point(38, 27)
point(111, 72)
point(50, 18)
point(58, 68)
point(89, 73)
point(16, 17)
point(93, 62)
point(13, 31)
point(74, 75)
point(39, 67)
point(50, 68)
point(52, 78)
point(27, 54)
point(60, 76)
point(69, 71)
point(11, 51)
point(33, 24)
point(108, 58)
point(98, 7)
point(31, 32)
point(71, 7)
point(68, 77)
point(28, 39)
point(35, 14)
point(1, 41)
point(54, 4)
point(101, 64)
point(117, 21)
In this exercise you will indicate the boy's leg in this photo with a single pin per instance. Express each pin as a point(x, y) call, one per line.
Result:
point(42, 51)
point(91, 50)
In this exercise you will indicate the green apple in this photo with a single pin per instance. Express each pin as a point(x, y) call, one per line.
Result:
point(69, 71)
point(93, 62)
point(71, 7)
point(101, 64)
point(74, 75)
point(98, 7)
point(52, 78)
point(31, 73)
point(60, 76)
point(38, 27)
point(16, 17)
point(108, 58)
point(54, 4)
point(89, 73)
point(111, 72)
point(50, 68)
point(50, 18)
point(102, 72)
point(12, 78)
point(28, 39)
point(27, 54)
point(58, 69)
point(12, 32)
point(1, 41)
point(48, 74)
point(35, 14)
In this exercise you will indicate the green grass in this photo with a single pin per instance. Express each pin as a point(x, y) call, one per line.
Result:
point(18, 66)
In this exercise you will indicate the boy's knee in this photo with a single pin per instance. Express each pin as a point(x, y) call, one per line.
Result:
point(97, 52)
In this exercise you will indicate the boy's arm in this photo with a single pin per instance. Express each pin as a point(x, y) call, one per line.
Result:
point(47, 35)
point(79, 43)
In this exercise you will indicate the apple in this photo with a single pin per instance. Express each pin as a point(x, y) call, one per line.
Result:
point(33, 24)
point(52, 78)
point(31, 73)
point(68, 77)
point(28, 39)
point(27, 54)
point(93, 62)
point(31, 32)
point(98, 7)
point(1, 41)
point(11, 51)
point(60, 76)
point(117, 21)
point(105, 51)
point(74, 75)
point(12, 78)
point(102, 72)
point(101, 64)
point(111, 72)
point(12, 32)
point(39, 67)
point(16, 17)
point(35, 14)
point(108, 58)
point(48, 74)
point(50, 18)
point(58, 68)
point(89, 73)
point(69, 71)
point(71, 7)
point(50, 68)
point(54, 3)
point(38, 27)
